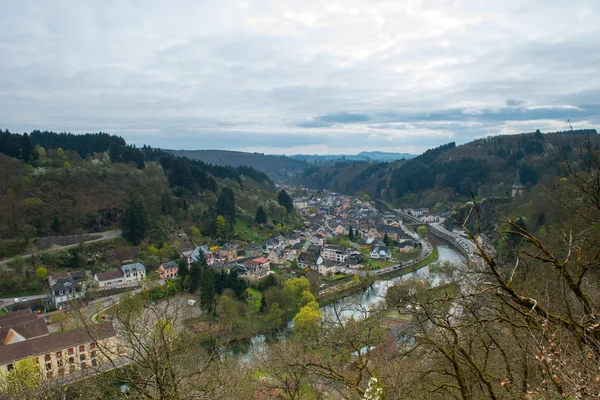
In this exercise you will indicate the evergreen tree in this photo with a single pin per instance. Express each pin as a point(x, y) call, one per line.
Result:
point(261, 216)
point(135, 221)
point(55, 224)
point(226, 205)
point(351, 234)
point(182, 268)
point(286, 201)
point(386, 240)
point(195, 275)
point(207, 290)
point(26, 148)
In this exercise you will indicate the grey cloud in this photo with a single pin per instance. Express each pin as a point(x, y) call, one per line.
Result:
point(202, 74)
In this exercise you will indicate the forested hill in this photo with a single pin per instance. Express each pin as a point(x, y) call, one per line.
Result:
point(487, 167)
point(61, 183)
point(276, 167)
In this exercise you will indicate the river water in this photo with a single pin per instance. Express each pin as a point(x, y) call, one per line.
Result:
point(356, 305)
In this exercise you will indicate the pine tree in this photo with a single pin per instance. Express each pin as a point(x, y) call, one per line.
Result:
point(207, 290)
point(386, 240)
point(286, 201)
point(226, 205)
point(135, 221)
point(55, 224)
point(261, 216)
point(351, 234)
point(195, 275)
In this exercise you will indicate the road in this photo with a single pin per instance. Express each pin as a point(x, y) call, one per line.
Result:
point(104, 236)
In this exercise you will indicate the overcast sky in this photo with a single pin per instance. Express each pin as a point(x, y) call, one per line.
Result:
point(299, 76)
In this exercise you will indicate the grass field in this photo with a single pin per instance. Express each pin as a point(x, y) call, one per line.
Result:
point(257, 298)
point(247, 234)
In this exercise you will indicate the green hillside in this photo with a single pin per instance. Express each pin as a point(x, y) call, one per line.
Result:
point(487, 167)
point(277, 167)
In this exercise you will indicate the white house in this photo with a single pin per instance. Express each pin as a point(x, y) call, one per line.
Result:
point(380, 252)
point(133, 273)
point(63, 289)
point(112, 278)
point(334, 253)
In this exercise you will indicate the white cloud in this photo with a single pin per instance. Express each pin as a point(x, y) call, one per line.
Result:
point(282, 74)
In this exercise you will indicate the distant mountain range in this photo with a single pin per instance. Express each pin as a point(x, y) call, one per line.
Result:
point(280, 167)
point(277, 167)
point(380, 156)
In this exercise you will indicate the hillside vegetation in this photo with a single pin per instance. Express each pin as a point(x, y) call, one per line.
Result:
point(64, 184)
point(277, 167)
point(487, 167)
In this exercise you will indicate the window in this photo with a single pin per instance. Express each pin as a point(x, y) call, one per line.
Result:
point(10, 367)
point(59, 363)
point(48, 367)
point(58, 354)
point(71, 350)
point(92, 345)
point(81, 348)
point(82, 357)
point(94, 353)
point(94, 363)
point(83, 365)
point(71, 360)
point(47, 357)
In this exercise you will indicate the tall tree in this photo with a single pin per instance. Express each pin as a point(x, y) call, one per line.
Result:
point(207, 290)
point(286, 201)
point(195, 275)
point(386, 240)
point(226, 205)
point(261, 216)
point(351, 234)
point(135, 221)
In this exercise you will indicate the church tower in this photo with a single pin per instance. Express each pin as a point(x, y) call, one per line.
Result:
point(517, 188)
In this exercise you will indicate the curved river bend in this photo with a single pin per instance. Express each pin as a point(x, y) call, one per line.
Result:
point(355, 304)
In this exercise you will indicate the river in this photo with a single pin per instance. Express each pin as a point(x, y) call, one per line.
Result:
point(358, 304)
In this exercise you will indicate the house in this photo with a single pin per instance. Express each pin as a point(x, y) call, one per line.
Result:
point(317, 240)
point(393, 233)
point(167, 270)
point(335, 254)
point(228, 251)
point(341, 230)
point(301, 203)
point(307, 259)
point(277, 256)
point(273, 243)
point(326, 267)
point(64, 290)
point(372, 232)
point(111, 278)
point(24, 336)
point(133, 273)
point(252, 250)
point(204, 250)
point(220, 267)
point(257, 268)
point(379, 252)
point(65, 287)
